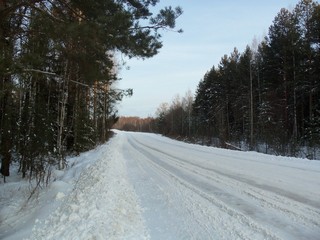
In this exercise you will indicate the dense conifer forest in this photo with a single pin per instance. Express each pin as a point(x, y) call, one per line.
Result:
point(57, 74)
point(266, 98)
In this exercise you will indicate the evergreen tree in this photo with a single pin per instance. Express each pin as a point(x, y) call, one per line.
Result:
point(270, 96)
point(57, 72)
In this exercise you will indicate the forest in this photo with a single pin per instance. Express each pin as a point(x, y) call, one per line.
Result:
point(266, 98)
point(58, 66)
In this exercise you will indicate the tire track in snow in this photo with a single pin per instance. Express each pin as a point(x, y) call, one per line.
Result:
point(236, 220)
point(313, 203)
point(279, 205)
point(264, 199)
point(312, 206)
point(301, 213)
point(165, 212)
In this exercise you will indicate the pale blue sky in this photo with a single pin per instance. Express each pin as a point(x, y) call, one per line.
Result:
point(211, 29)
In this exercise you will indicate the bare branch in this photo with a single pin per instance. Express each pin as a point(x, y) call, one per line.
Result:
point(39, 71)
point(52, 74)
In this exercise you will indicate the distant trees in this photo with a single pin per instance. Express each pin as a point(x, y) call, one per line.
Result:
point(135, 124)
point(175, 119)
point(265, 99)
point(57, 70)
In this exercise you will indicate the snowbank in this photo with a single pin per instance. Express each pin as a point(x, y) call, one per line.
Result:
point(92, 199)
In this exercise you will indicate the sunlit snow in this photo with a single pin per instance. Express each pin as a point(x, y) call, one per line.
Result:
point(145, 186)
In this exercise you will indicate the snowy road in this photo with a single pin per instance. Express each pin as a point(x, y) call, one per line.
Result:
point(144, 186)
point(195, 192)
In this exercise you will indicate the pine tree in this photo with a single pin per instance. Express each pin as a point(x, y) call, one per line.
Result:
point(61, 57)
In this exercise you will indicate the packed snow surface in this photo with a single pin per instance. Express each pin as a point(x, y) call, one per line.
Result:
point(144, 186)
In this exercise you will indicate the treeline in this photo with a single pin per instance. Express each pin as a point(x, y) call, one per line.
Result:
point(175, 119)
point(135, 124)
point(172, 120)
point(266, 98)
point(57, 69)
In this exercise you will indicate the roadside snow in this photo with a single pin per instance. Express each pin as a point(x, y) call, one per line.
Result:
point(144, 186)
point(91, 200)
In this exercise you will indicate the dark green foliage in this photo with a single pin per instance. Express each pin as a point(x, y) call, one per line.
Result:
point(265, 99)
point(57, 71)
point(270, 96)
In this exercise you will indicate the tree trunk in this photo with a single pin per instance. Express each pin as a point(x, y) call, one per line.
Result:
point(104, 115)
point(5, 118)
point(295, 121)
point(251, 108)
point(61, 117)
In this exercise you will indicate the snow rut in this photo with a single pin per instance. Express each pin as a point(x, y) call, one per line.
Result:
point(296, 211)
point(238, 206)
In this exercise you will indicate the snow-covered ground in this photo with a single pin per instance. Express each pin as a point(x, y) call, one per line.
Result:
point(144, 186)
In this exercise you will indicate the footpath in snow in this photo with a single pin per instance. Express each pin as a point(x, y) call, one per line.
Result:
point(144, 186)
